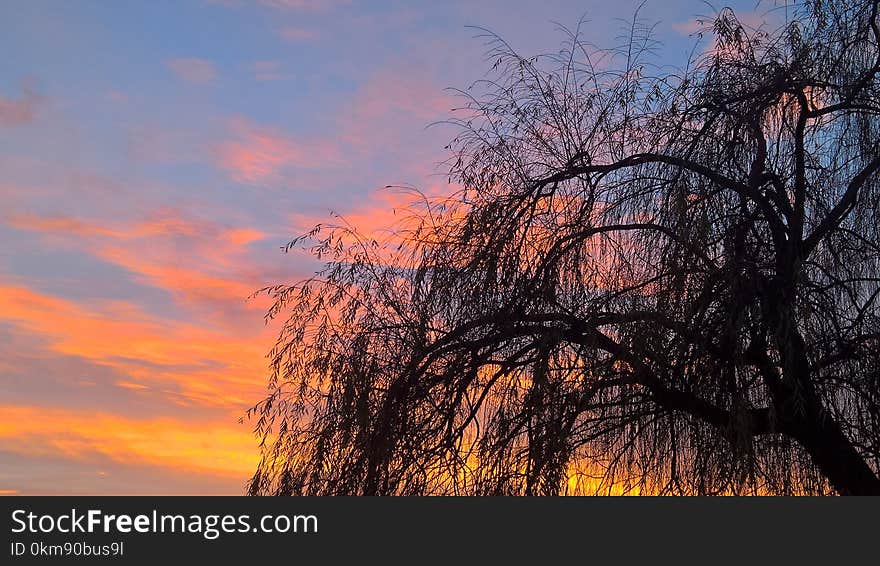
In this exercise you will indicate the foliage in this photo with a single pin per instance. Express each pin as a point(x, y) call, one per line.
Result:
point(650, 281)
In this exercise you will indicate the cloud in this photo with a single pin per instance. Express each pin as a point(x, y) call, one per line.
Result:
point(386, 117)
point(193, 69)
point(96, 473)
point(222, 372)
point(216, 448)
point(260, 155)
point(64, 224)
point(161, 222)
point(23, 110)
point(297, 34)
point(30, 369)
point(386, 210)
point(386, 215)
point(199, 262)
point(393, 107)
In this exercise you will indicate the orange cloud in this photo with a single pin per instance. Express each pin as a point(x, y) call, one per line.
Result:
point(220, 448)
point(193, 69)
point(193, 259)
point(203, 265)
point(226, 370)
point(222, 375)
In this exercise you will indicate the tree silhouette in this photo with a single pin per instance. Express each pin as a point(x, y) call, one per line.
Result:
point(650, 281)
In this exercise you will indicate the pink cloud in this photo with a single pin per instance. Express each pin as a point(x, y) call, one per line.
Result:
point(392, 107)
point(193, 69)
point(385, 210)
point(59, 224)
point(202, 263)
point(160, 223)
point(259, 155)
point(15, 112)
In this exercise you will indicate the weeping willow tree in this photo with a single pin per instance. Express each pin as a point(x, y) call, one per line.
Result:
point(649, 281)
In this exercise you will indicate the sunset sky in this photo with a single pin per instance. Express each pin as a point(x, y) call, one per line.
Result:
point(155, 156)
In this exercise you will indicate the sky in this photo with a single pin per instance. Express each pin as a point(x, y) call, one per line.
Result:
point(154, 158)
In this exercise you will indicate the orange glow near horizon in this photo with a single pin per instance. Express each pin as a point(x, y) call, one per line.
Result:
point(209, 392)
point(215, 447)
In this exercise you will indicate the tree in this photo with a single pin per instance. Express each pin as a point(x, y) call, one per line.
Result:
point(649, 281)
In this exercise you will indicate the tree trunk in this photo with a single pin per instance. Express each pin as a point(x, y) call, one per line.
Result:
point(801, 408)
point(834, 455)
